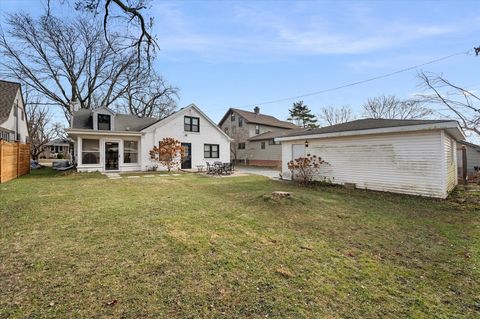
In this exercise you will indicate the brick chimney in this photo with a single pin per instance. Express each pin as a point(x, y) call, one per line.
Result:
point(256, 109)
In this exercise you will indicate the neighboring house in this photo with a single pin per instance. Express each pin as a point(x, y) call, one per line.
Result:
point(107, 141)
point(415, 157)
point(58, 148)
point(13, 122)
point(472, 152)
point(254, 135)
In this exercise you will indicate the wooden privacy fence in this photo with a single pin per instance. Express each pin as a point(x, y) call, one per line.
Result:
point(14, 160)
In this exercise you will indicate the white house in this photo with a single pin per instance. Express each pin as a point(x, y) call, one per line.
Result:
point(415, 157)
point(472, 158)
point(13, 121)
point(106, 141)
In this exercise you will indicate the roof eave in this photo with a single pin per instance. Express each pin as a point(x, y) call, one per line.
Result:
point(452, 126)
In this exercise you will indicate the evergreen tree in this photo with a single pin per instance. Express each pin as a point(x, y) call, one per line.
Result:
point(302, 116)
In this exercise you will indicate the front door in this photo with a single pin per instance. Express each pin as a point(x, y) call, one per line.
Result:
point(187, 156)
point(111, 156)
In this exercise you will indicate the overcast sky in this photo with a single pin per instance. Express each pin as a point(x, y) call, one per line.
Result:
point(225, 54)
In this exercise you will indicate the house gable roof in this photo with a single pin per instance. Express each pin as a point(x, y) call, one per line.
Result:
point(254, 118)
point(180, 113)
point(370, 124)
point(8, 92)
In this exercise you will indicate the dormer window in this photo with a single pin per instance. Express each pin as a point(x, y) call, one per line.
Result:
point(104, 122)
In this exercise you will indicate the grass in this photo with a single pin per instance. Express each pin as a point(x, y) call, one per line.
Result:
point(83, 246)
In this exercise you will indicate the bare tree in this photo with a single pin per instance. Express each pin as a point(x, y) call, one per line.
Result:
point(390, 107)
point(41, 130)
point(336, 115)
point(71, 61)
point(148, 95)
point(462, 105)
point(130, 15)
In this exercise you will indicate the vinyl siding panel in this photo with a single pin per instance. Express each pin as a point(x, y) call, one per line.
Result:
point(408, 163)
point(450, 159)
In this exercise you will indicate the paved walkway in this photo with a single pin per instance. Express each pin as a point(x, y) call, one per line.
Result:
point(118, 176)
point(263, 171)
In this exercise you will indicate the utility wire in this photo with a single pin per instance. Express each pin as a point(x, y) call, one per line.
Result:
point(362, 81)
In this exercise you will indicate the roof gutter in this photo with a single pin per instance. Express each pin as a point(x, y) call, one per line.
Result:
point(108, 133)
point(450, 125)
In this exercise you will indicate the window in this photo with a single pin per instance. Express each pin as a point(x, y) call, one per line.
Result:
point(52, 149)
point(262, 145)
point(21, 111)
point(232, 117)
point(90, 151)
point(211, 151)
point(130, 151)
point(104, 122)
point(191, 124)
point(240, 122)
point(241, 146)
point(5, 135)
point(257, 129)
point(272, 142)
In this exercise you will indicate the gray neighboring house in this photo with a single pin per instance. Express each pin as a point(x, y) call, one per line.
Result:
point(254, 136)
point(57, 148)
point(13, 121)
point(472, 152)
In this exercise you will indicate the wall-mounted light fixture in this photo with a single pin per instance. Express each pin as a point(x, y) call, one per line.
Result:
point(306, 143)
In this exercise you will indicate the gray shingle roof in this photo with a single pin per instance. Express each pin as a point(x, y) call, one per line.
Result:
point(272, 134)
point(82, 119)
point(363, 124)
point(252, 117)
point(8, 92)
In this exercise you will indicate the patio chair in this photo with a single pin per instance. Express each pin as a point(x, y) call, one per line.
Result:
point(210, 168)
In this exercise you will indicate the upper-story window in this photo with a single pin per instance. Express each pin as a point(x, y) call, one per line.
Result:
point(240, 122)
point(191, 124)
point(257, 129)
point(232, 117)
point(104, 122)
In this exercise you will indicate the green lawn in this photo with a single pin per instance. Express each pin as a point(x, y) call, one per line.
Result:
point(189, 246)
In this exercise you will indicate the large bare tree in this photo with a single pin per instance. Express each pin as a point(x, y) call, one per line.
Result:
point(41, 129)
point(390, 107)
point(461, 104)
point(69, 61)
point(336, 115)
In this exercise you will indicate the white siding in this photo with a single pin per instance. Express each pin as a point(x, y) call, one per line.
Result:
point(450, 161)
point(173, 127)
point(11, 122)
point(100, 167)
point(409, 163)
point(473, 159)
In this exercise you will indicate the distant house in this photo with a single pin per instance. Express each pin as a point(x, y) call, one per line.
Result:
point(107, 142)
point(58, 148)
point(13, 122)
point(416, 157)
point(472, 152)
point(254, 135)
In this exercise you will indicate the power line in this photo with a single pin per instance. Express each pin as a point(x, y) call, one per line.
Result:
point(360, 82)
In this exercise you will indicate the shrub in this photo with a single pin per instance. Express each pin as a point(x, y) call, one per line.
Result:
point(168, 153)
point(305, 169)
point(60, 156)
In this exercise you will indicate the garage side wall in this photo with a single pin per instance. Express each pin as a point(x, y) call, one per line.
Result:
point(450, 162)
point(409, 163)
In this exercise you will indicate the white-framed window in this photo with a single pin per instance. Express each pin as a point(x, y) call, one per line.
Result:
point(130, 152)
point(262, 145)
point(240, 122)
point(104, 122)
point(257, 129)
point(90, 151)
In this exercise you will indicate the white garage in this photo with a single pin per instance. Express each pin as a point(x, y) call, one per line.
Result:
point(416, 157)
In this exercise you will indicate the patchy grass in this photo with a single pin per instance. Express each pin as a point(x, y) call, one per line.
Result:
point(82, 246)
